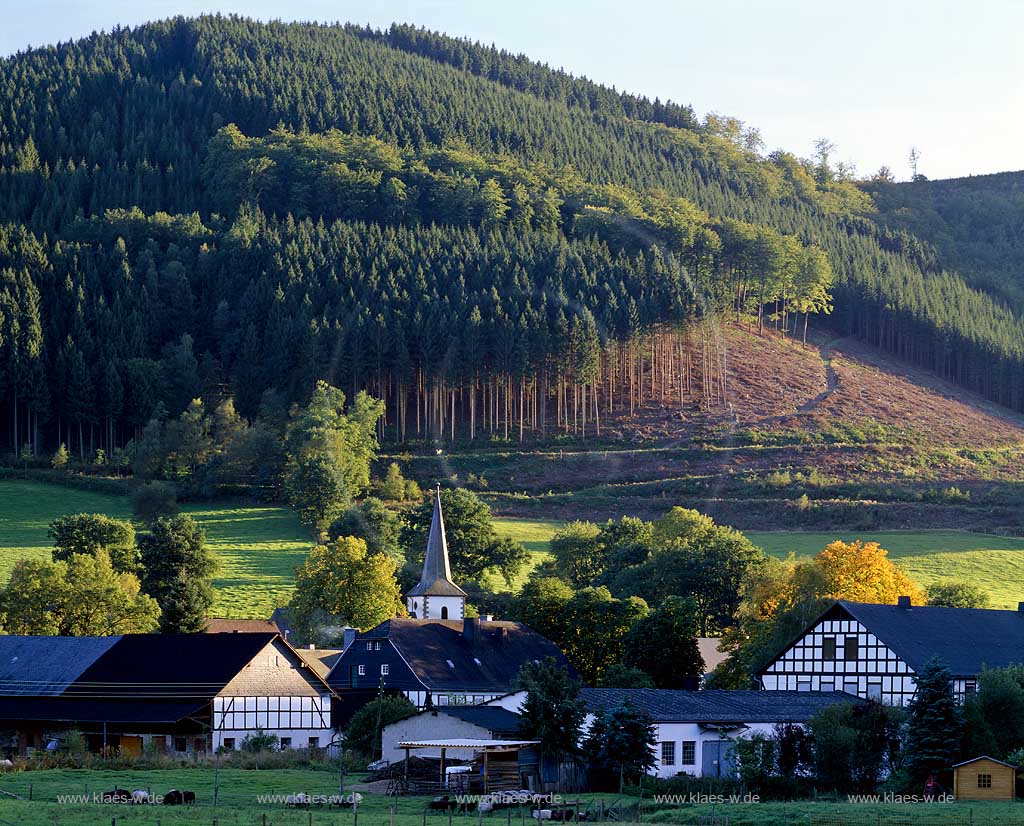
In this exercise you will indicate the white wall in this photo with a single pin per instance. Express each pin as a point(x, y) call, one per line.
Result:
point(297, 718)
point(876, 674)
point(680, 733)
point(431, 607)
point(430, 726)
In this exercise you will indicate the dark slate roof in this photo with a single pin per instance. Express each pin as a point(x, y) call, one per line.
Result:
point(47, 665)
point(492, 718)
point(716, 706)
point(93, 711)
point(436, 579)
point(487, 663)
point(965, 639)
point(174, 666)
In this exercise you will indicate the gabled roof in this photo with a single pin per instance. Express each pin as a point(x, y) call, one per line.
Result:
point(436, 579)
point(99, 711)
point(715, 706)
point(492, 718)
point(965, 639)
point(41, 666)
point(488, 661)
point(169, 665)
point(985, 757)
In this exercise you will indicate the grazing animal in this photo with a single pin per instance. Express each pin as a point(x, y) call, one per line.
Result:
point(173, 798)
point(297, 801)
point(117, 796)
point(140, 796)
point(188, 798)
point(441, 803)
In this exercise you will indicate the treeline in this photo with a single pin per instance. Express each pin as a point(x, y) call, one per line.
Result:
point(110, 138)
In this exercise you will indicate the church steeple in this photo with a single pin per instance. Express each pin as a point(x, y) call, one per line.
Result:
point(435, 596)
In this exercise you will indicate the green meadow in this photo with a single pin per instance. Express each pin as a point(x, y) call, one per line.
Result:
point(257, 546)
point(995, 563)
point(242, 801)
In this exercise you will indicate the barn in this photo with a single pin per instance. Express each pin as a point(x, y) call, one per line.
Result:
point(984, 778)
point(174, 693)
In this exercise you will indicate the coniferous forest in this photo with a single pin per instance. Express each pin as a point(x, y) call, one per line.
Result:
point(223, 209)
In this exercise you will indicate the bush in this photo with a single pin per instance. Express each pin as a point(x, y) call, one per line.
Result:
point(259, 741)
point(153, 500)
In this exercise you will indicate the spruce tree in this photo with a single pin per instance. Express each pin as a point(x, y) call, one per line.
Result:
point(933, 731)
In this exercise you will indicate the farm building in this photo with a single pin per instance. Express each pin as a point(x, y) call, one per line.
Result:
point(438, 657)
point(696, 730)
point(462, 722)
point(874, 651)
point(984, 778)
point(178, 694)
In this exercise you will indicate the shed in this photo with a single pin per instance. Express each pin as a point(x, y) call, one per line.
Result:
point(984, 778)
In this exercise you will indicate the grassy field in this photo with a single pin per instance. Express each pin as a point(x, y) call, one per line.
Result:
point(258, 547)
point(239, 804)
point(995, 563)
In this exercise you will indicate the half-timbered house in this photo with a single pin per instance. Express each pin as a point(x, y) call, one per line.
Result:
point(874, 651)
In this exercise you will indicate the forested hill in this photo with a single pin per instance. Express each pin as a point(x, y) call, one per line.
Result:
point(975, 224)
point(218, 207)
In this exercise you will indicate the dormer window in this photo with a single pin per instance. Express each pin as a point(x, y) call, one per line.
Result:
point(369, 646)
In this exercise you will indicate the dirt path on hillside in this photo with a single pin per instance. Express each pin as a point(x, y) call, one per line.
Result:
point(831, 378)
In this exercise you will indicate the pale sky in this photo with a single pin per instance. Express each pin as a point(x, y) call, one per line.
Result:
point(875, 77)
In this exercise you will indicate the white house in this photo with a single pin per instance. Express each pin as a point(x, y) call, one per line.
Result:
point(875, 651)
point(696, 730)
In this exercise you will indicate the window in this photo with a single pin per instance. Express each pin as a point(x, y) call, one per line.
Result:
point(970, 687)
point(314, 742)
point(984, 781)
point(362, 671)
point(874, 691)
point(369, 646)
point(229, 743)
point(376, 646)
point(688, 753)
point(286, 743)
point(384, 669)
point(668, 754)
point(180, 744)
point(850, 648)
point(828, 648)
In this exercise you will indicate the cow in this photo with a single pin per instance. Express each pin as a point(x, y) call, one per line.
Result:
point(188, 798)
point(116, 796)
point(173, 798)
point(140, 796)
point(297, 801)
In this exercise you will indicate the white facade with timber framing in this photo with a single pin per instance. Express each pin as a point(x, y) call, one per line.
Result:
point(875, 651)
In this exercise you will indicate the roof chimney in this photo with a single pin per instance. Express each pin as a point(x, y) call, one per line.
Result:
point(903, 602)
point(470, 628)
point(1020, 607)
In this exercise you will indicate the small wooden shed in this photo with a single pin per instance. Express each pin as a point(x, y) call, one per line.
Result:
point(984, 778)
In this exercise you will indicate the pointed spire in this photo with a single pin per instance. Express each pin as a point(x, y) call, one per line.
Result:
point(436, 579)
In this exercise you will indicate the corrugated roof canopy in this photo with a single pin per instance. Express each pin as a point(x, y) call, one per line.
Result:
point(468, 743)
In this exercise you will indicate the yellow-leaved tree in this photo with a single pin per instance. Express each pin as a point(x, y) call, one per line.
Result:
point(856, 571)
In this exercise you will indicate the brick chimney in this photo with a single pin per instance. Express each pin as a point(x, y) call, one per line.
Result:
point(903, 602)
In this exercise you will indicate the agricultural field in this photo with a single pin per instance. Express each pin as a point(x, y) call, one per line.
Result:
point(240, 790)
point(995, 563)
point(258, 546)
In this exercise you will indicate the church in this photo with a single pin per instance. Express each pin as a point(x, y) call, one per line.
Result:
point(437, 656)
